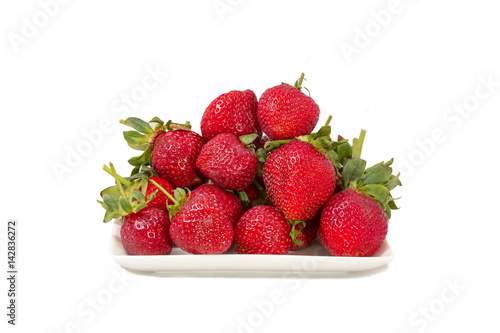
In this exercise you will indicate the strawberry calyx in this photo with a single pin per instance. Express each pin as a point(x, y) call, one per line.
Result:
point(179, 198)
point(243, 197)
point(321, 140)
point(245, 201)
point(262, 194)
point(375, 182)
point(248, 140)
point(128, 195)
point(296, 228)
point(298, 84)
point(125, 197)
point(144, 135)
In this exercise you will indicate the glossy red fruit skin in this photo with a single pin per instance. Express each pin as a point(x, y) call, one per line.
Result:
point(228, 199)
point(174, 158)
point(202, 226)
point(352, 224)
point(299, 179)
point(146, 232)
point(160, 200)
point(227, 162)
point(234, 112)
point(307, 234)
point(262, 230)
point(285, 112)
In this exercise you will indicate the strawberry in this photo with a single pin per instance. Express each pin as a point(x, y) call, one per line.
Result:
point(202, 226)
point(146, 232)
point(285, 112)
point(227, 162)
point(354, 222)
point(160, 200)
point(174, 157)
point(170, 149)
point(299, 179)
point(145, 223)
point(234, 112)
point(306, 234)
point(262, 230)
point(228, 199)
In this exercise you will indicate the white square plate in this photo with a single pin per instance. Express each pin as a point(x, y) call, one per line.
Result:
point(311, 261)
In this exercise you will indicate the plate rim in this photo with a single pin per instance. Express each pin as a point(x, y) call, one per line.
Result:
point(185, 264)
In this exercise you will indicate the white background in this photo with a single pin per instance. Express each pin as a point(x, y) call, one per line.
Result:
point(67, 77)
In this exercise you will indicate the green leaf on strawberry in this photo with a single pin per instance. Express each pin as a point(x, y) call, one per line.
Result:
point(375, 182)
point(125, 196)
point(353, 170)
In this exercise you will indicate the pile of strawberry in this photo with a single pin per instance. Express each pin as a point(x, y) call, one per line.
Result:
point(257, 179)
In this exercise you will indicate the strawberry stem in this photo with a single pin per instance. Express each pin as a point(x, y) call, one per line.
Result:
point(298, 83)
point(123, 180)
point(179, 127)
point(117, 180)
point(328, 120)
point(257, 184)
point(243, 197)
point(357, 144)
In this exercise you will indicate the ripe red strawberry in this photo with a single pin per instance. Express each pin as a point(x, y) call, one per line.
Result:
point(234, 112)
point(299, 179)
point(306, 234)
point(160, 200)
point(170, 149)
point(202, 226)
point(145, 225)
point(285, 112)
point(227, 162)
point(262, 230)
point(146, 232)
point(354, 221)
point(352, 224)
point(174, 157)
point(228, 199)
